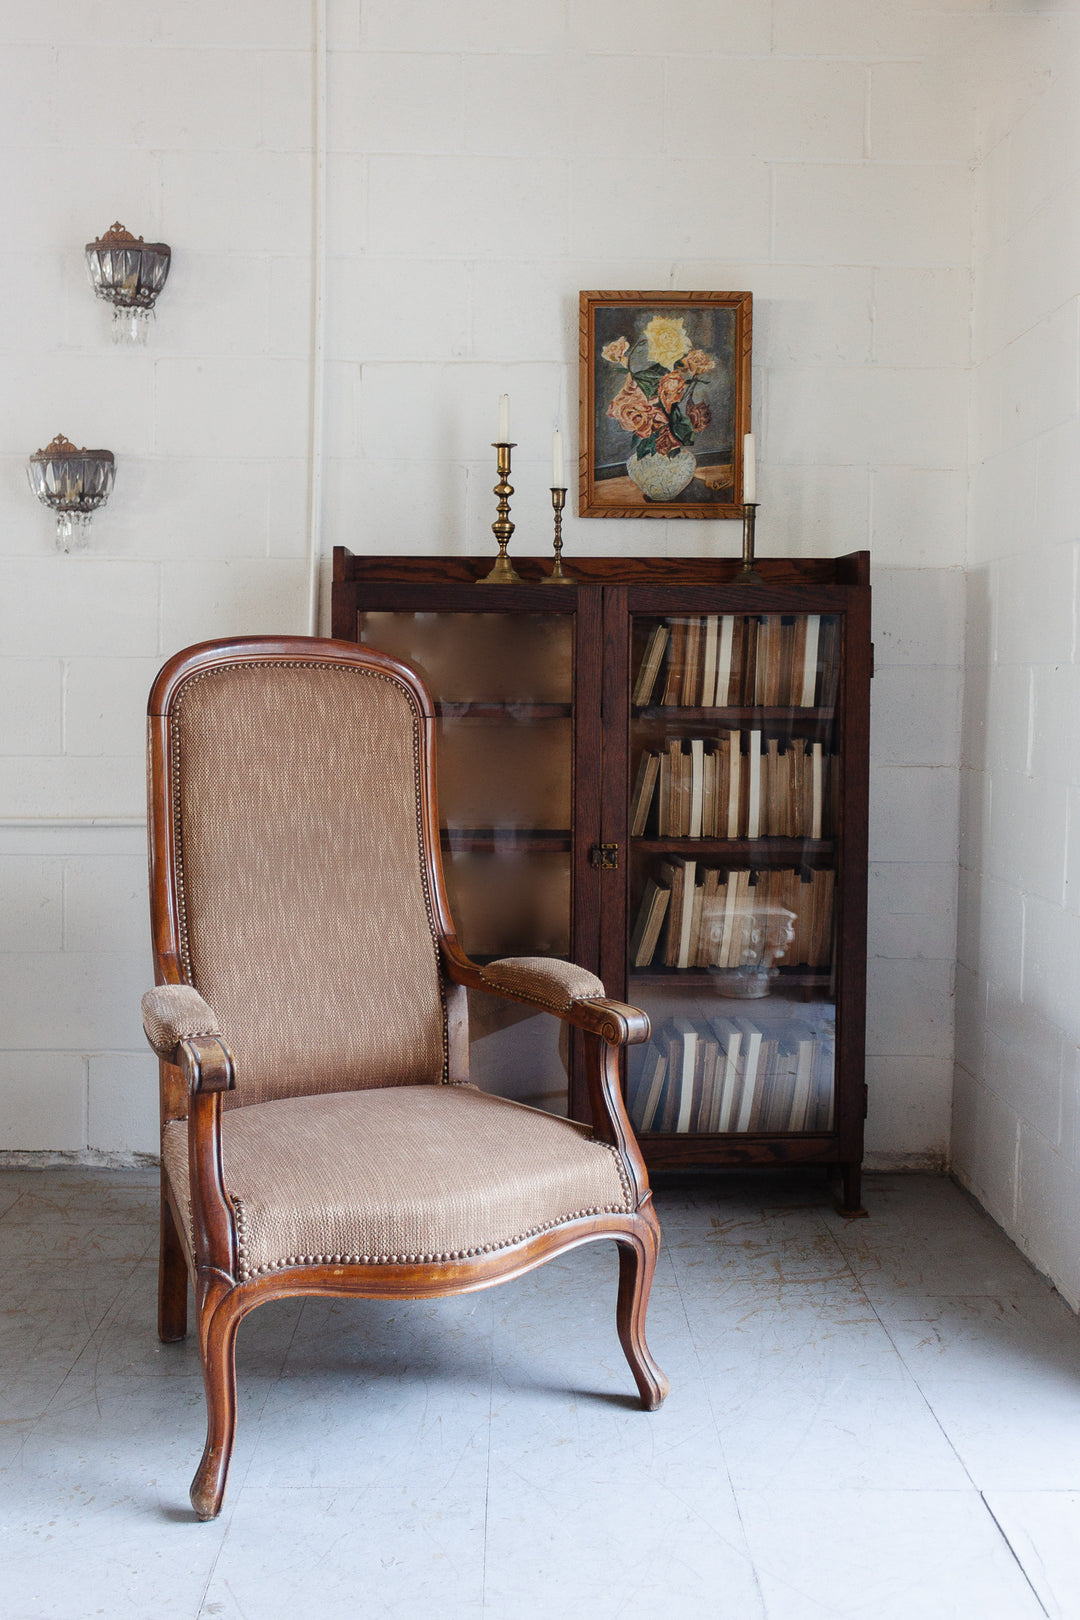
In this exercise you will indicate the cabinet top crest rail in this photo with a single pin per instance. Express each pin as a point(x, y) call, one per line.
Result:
point(852, 569)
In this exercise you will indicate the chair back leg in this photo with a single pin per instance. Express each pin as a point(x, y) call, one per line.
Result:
point(172, 1277)
point(637, 1262)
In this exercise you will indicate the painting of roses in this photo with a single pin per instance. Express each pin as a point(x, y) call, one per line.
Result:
point(665, 401)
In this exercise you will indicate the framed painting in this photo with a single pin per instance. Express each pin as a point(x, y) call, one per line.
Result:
point(665, 401)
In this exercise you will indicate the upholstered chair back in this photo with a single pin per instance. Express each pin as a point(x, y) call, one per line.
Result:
point(305, 915)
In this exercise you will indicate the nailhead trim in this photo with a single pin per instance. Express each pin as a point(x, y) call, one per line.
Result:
point(547, 1002)
point(169, 1052)
point(248, 1275)
point(240, 1214)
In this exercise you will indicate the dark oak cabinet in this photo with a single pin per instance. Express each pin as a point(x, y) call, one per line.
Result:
point(661, 774)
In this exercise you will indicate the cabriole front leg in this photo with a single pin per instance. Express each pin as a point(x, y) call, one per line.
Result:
point(637, 1263)
point(218, 1349)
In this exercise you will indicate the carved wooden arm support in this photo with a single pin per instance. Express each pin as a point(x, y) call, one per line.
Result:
point(577, 997)
point(572, 993)
point(183, 1030)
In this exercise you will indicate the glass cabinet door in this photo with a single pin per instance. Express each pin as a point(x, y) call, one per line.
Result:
point(502, 684)
point(733, 793)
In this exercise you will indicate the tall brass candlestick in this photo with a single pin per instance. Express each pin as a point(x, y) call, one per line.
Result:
point(503, 571)
point(748, 574)
point(558, 575)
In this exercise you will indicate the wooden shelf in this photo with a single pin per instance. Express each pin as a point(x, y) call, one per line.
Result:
point(656, 978)
point(732, 717)
point(503, 711)
point(506, 841)
point(483, 958)
point(745, 851)
point(670, 1151)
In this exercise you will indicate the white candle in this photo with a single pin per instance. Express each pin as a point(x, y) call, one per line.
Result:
point(504, 419)
point(557, 479)
point(749, 470)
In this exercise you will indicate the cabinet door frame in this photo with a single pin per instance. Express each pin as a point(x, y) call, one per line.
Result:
point(851, 604)
point(585, 605)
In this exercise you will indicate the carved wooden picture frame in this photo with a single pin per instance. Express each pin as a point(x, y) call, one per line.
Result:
point(665, 401)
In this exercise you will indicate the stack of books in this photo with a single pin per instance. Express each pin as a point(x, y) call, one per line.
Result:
point(710, 1075)
point(731, 660)
point(716, 918)
point(740, 784)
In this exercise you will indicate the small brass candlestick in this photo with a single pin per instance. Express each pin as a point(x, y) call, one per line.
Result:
point(503, 571)
point(558, 575)
point(748, 574)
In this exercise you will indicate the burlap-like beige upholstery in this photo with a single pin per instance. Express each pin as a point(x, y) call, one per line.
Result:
point(548, 982)
point(421, 1173)
point(307, 924)
point(171, 1013)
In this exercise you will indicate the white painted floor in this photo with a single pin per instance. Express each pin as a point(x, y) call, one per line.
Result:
point(872, 1419)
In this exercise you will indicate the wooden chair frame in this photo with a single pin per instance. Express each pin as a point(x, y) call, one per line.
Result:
point(201, 1069)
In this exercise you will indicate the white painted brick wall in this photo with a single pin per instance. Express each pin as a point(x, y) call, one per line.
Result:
point(488, 159)
point(1015, 1109)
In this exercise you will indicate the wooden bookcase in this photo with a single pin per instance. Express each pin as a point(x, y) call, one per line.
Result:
point(757, 997)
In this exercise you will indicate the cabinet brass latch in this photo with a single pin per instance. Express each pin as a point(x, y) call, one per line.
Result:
point(605, 856)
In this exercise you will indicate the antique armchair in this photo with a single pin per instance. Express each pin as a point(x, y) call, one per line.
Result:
point(319, 1134)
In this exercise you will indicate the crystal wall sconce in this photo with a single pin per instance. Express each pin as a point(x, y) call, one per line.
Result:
point(73, 483)
point(128, 273)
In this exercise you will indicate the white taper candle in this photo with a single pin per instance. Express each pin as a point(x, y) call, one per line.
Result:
point(557, 479)
point(504, 419)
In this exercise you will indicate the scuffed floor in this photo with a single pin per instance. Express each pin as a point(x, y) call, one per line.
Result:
point(872, 1419)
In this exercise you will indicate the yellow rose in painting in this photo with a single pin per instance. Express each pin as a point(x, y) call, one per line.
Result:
point(667, 340)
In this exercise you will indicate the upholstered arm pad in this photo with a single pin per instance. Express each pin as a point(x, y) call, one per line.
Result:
point(552, 984)
point(173, 1013)
point(570, 992)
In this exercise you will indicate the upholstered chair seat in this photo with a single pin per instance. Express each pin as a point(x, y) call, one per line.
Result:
point(399, 1176)
point(320, 1133)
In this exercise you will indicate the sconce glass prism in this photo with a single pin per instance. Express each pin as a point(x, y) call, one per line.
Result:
point(73, 483)
point(129, 273)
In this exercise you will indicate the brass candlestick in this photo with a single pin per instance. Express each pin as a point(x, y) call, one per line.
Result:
point(748, 574)
point(503, 571)
point(558, 575)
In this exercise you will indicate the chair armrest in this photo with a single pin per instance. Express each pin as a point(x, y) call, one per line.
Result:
point(572, 993)
point(182, 1029)
point(173, 1012)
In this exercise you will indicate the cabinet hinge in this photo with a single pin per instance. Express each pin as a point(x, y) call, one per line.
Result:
point(605, 857)
point(871, 660)
point(865, 1101)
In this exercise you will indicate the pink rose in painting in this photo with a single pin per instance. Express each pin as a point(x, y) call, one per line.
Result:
point(700, 416)
point(666, 442)
point(631, 410)
point(671, 389)
point(616, 351)
point(697, 362)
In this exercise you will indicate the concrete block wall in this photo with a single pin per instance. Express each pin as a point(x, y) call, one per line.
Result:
point(1017, 1096)
point(485, 163)
point(193, 127)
